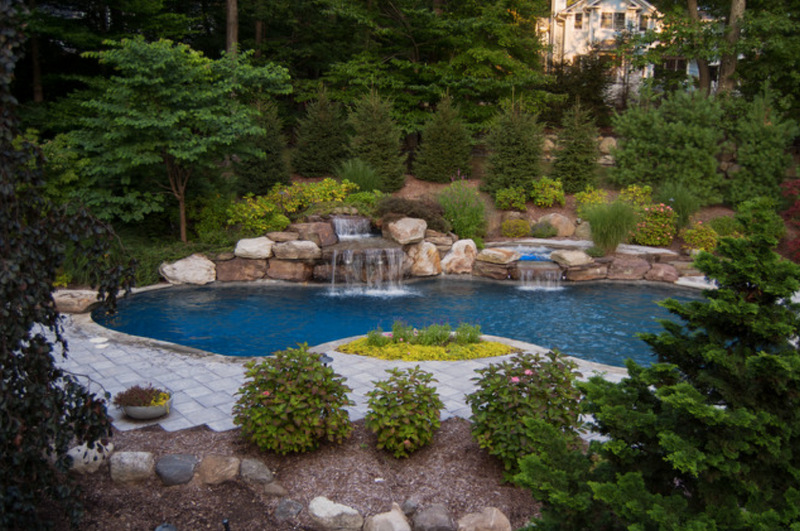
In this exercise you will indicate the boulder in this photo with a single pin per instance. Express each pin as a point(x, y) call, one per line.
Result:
point(393, 520)
point(439, 239)
point(194, 269)
point(130, 467)
point(255, 471)
point(275, 489)
point(297, 250)
point(490, 519)
point(176, 469)
point(87, 460)
point(583, 231)
point(287, 509)
point(685, 269)
point(411, 505)
point(662, 273)
point(498, 256)
point(607, 145)
point(255, 248)
point(434, 518)
point(241, 270)
point(320, 232)
point(425, 261)
point(217, 469)
point(280, 237)
point(290, 270)
point(628, 268)
point(75, 300)
point(594, 272)
point(490, 270)
point(406, 230)
point(461, 258)
point(561, 223)
point(570, 258)
point(334, 516)
point(223, 256)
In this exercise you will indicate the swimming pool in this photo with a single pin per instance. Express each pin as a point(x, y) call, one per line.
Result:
point(593, 321)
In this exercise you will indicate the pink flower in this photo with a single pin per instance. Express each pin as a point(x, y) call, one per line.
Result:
point(514, 379)
point(265, 393)
point(400, 340)
point(528, 372)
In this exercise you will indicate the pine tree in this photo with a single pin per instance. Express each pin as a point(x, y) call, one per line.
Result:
point(446, 148)
point(515, 141)
point(321, 138)
point(259, 175)
point(576, 161)
point(376, 140)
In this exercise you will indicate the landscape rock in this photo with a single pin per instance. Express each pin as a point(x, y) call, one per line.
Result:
point(279, 237)
point(394, 520)
point(570, 258)
point(439, 239)
point(411, 505)
point(461, 258)
point(434, 518)
point(561, 223)
point(490, 270)
point(583, 231)
point(87, 460)
point(334, 516)
point(194, 269)
point(275, 489)
point(241, 270)
point(75, 300)
point(495, 255)
point(490, 519)
point(223, 256)
point(425, 261)
point(176, 469)
point(297, 250)
point(255, 471)
point(217, 469)
point(628, 268)
point(407, 230)
point(254, 248)
point(287, 509)
point(130, 467)
point(685, 269)
point(579, 274)
point(292, 270)
point(607, 145)
point(662, 273)
point(321, 233)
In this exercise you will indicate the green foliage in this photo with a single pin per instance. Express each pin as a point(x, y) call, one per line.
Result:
point(529, 386)
point(446, 149)
point(515, 143)
point(657, 226)
point(675, 139)
point(611, 224)
point(637, 196)
point(467, 334)
point(513, 198)
point(376, 139)
point(576, 160)
point(298, 196)
point(589, 198)
point(758, 216)
point(717, 415)
point(404, 411)
point(391, 208)
point(583, 82)
point(682, 201)
point(595, 252)
point(435, 334)
point(515, 228)
point(546, 192)
point(291, 402)
point(321, 138)
point(360, 173)
point(258, 173)
point(464, 209)
point(699, 236)
point(365, 202)
point(543, 229)
point(255, 216)
point(726, 226)
point(211, 221)
point(142, 396)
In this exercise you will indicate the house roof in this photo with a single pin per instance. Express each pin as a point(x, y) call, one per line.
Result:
point(585, 5)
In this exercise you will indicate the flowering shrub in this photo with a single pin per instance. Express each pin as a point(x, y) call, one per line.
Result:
point(515, 228)
point(656, 226)
point(291, 402)
point(589, 198)
point(404, 411)
point(512, 198)
point(528, 386)
point(256, 216)
point(699, 236)
point(546, 192)
point(297, 197)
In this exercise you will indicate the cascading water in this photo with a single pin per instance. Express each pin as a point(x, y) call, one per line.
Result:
point(539, 276)
point(352, 227)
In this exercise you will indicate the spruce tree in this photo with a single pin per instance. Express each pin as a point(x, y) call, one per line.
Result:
point(515, 141)
point(321, 138)
point(258, 175)
point(446, 148)
point(706, 438)
point(376, 140)
point(576, 160)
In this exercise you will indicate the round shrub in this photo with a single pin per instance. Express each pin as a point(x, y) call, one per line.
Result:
point(588, 198)
point(543, 229)
point(546, 192)
point(404, 411)
point(291, 402)
point(527, 386)
point(726, 226)
point(515, 228)
point(657, 226)
point(512, 198)
point(699, 236)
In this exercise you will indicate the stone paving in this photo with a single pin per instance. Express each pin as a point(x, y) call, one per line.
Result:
point(204, 385)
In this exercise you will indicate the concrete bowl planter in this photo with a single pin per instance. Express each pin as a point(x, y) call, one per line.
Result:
point(144, 402)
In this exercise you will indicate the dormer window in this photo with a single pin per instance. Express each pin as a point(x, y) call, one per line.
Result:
point(605, 20)
point(619, 21)
point(578, 21)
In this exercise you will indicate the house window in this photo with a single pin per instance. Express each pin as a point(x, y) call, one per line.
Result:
point(643, 23)
point(619, 21)
point(578, 21)
point(605, 20)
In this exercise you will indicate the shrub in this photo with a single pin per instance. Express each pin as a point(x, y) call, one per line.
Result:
point(256, 175)
point(299, 196)
point(256, 216)
point(682, 201)
point(576, 160)
point(700, 237)
point(464, 209)
point(527, 386)
point(359, 173)
point(513, 198)
point(515, 228)
point(376, 140)
point(321, 138)
point(588, 198)
point(656, 226)
point(211, 223)
point(404, 411)
point(595, 252)
point(758, 216)
point(467, 334)
point(365, 202)
point(611, 224)
point(545, 192)
point(433, 213)
point(637, 196)
point(543, 229)
point(446, 148)
point(726, 226)
point(291, 402)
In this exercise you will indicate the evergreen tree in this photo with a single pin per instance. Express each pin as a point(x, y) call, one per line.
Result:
point(321, 138)
point(707, 437)
point(376, 140)
point(515, 141)
point(576, 161)
point(446, 149)
point(258, 175)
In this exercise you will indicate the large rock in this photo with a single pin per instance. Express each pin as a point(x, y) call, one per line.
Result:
point(334, 516)
point(607, 145)
point(490, 270)
point(594, 272)
point(287, 509)
point(425, 261)
point(570, 258)
point(87, 460)
point(393, 520)
point(442, 241)
point(75, 300)
point(217, 469)
point(290, 270)
point(490, 519)
point(498, 256)
point(406, 230)
point(255, 471)
point(561, 223)
point(461, 258)
point(628, 268)
point(434, 518)
point(255, 248)
point(662, 273)
point(321, 233)
point(241, 270)
point(297, 250)
point(194, 269)
point(130, 467)
point(176, 469)
point(283, 236)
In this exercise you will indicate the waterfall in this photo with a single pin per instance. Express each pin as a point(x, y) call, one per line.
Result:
point(372, 271)
point(352, 227)
point(541, 279)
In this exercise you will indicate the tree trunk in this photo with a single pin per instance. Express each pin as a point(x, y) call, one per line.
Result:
point(703, 71)
point(259, 38)
point(178, 179)
point(727, 67)
point(232, 26)
point(36, 74)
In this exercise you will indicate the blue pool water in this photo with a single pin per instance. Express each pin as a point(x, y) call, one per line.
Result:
point(596, 322)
